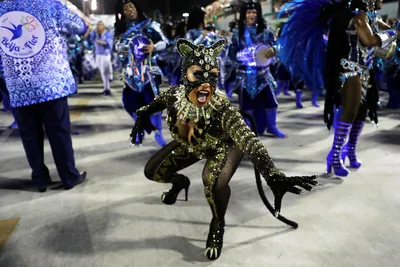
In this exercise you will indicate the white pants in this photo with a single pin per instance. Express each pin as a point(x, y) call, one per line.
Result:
point(104, 64)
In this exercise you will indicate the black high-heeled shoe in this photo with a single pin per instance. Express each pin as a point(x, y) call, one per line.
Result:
point(215, 239)
point(179, 182)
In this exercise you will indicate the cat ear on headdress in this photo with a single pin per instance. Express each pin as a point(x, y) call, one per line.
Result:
point(185, 47)
point(218, 47)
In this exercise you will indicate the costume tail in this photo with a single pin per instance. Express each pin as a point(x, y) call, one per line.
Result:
point(259, 180)
point(302, 44)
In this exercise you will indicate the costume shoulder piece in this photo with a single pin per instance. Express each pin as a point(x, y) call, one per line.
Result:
point(157, 28)
point(174, 89)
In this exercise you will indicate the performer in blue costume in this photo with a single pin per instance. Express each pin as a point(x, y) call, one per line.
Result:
point(75, 56)
point(342, 68)
point(196, 28)
point(255, 81)
point(164, 57)
point(89, 66)
point(227, 68)
point(392, 68)
point(139, 39)
point(282, 75)
point(285, 81)
point(170, 58)
point(102, 39)
point(175, 62)
point(197, 33)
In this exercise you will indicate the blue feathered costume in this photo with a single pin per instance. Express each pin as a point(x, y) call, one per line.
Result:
point(254, 82)
point(331, 66)
point(141, 74)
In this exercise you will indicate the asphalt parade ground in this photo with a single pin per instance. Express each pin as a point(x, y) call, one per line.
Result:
point(116, 218)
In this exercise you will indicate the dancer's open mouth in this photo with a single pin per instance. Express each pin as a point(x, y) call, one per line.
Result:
point(202, 96)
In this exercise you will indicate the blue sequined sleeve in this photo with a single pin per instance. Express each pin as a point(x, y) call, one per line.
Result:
point(234, 47)
point(269, 37)
point(67, 22)
point(92, 37)
point(109, 39)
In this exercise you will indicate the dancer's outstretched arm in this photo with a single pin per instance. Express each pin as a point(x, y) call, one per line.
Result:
point(143, 115)
point(248, 142)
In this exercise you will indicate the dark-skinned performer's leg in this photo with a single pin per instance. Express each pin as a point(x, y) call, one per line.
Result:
point(351, 100)
point(163, 168)
point(217, 173)
point(349, 149)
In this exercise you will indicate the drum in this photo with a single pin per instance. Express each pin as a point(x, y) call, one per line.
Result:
point(255, 56)
point(137, 43)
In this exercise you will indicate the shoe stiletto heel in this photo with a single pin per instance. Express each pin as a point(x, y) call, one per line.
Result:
point(186, 193)
point(179, 182)
point(328, 168)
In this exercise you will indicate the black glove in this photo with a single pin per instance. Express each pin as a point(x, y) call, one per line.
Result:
point(142, 122)
point(281, 184)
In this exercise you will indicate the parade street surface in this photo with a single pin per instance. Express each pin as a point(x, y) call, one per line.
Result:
point(116, 218)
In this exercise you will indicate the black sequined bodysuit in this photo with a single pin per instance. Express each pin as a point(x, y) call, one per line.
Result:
point(215, 127)
point(216, 132)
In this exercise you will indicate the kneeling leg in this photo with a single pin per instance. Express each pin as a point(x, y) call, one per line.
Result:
point(163, 168)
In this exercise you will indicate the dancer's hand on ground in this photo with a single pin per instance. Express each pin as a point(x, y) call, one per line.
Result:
point(142, 122)
point(280, 185)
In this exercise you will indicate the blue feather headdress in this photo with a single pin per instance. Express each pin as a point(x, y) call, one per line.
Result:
point(302, 43)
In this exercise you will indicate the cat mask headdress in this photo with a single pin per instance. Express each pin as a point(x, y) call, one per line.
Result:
point(206, 57)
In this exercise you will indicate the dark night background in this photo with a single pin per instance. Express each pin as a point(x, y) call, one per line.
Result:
point(176, 7)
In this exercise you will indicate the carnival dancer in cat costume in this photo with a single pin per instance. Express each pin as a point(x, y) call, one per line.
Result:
point(138, 39)
point(254, 80)
point(204, 125)
point(342, 68)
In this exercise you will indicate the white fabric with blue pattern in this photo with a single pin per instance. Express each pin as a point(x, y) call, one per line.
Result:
point(34, 52)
